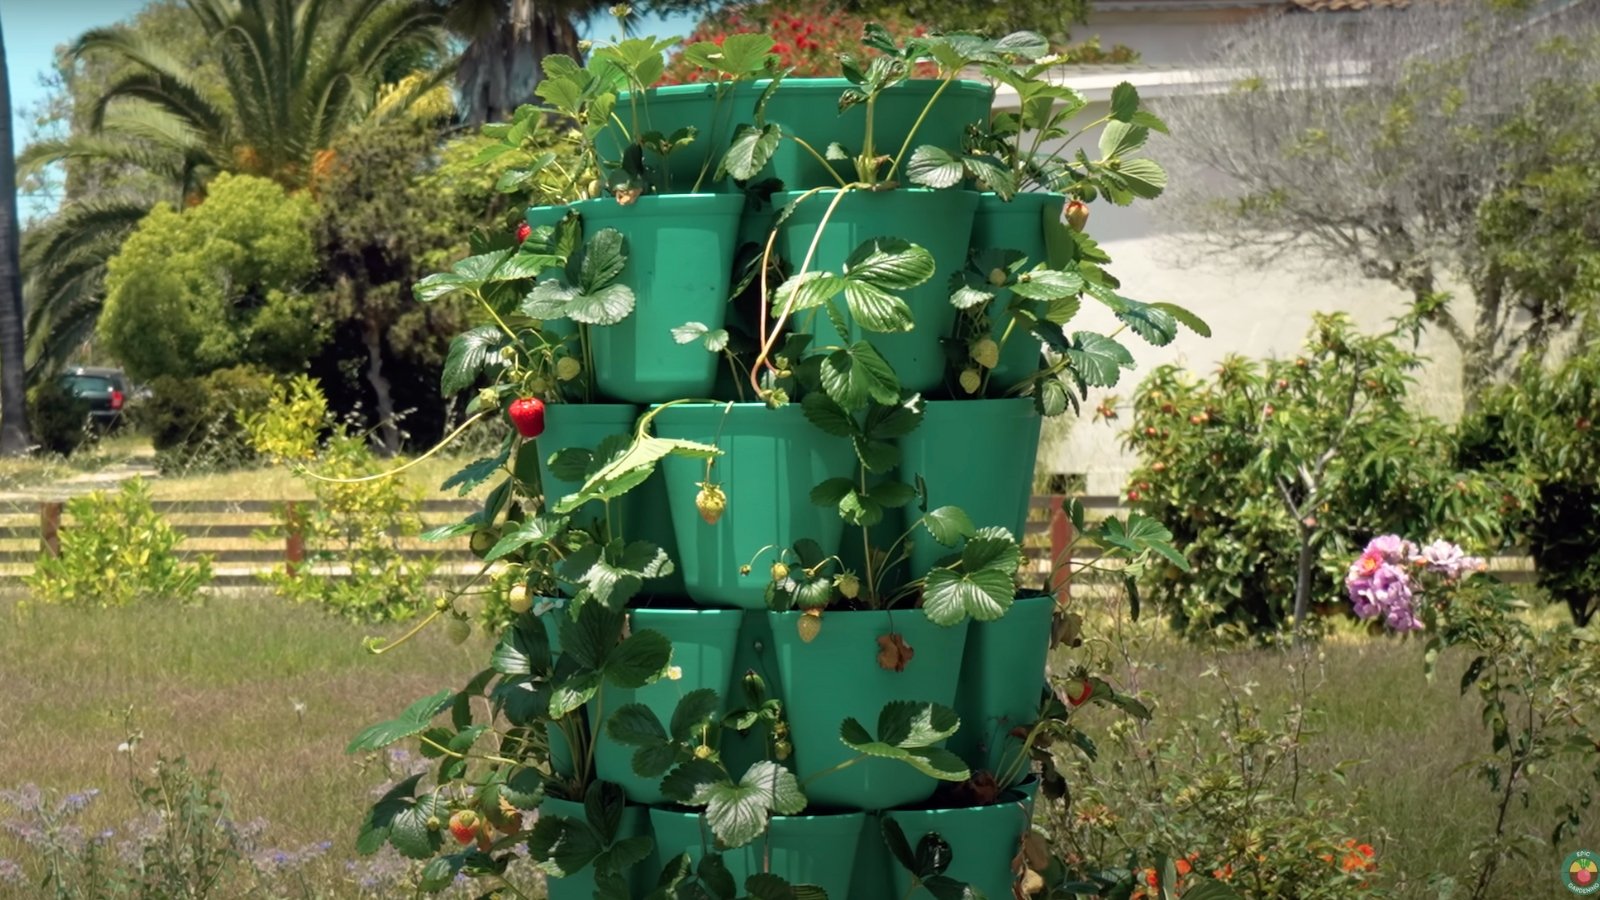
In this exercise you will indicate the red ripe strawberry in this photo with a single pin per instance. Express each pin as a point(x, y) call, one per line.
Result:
point(464, 826)
point(523, 230)
point(527, 413)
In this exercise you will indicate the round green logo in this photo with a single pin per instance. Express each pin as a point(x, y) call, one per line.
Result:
point(1580, 872)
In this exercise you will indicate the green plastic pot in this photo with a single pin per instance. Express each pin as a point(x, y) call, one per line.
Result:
point(939, 221)
point(679, 263)
point(711, 110)
point(703, 644)
point(817, 850)
point(809, 108)
point(636, 514)
point(1002, 679)
point(771, 460)
point(580, 885)
point(837, 676)
point(983, 841)
point(1015, 225)
point(975, 454)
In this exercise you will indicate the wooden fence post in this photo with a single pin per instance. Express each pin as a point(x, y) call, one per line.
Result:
point(1060, 555)
point(50, 527)
point(294, 542)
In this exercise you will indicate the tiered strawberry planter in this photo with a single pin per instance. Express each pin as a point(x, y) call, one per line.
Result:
point(774, 626)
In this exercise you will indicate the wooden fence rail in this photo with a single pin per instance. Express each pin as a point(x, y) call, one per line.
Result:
point(236, 525)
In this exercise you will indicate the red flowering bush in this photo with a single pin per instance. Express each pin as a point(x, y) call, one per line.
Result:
point(809, 36)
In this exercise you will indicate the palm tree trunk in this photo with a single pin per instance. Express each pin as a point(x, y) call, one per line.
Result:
point(502, 65)
point(14, 437)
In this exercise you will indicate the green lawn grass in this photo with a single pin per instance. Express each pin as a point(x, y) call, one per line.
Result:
point(269, 694)
point(266, 693)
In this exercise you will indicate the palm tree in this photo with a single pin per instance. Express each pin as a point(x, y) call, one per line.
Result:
point(296, 74)
point(14, 438)
point(507, 40)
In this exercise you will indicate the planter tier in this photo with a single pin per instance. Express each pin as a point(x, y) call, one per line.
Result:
point(983, 841)
point(837, 676)
point(1002, 681)
point(807, 108)
point(938, 221)
point(703, 644)
point(1015, 225)
point(772, 459)
point(679, 264)
point(817, 850)
point(975, 454)
point(636, 514)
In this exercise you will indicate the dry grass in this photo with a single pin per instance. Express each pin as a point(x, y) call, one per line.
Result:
point(266, 693)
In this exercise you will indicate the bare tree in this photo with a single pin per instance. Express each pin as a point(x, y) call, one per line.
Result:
point(1372, 142)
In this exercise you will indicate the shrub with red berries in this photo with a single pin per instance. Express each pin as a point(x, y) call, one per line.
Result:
point(808, 36)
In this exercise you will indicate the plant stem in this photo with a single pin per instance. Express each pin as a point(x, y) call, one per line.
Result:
point(820, 158)
point(398, 469)
point(917, 125)
point(829, 771)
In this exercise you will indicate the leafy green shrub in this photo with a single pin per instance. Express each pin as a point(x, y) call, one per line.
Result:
point(60, 421)
point(1221, 795)
point(1272, 473)
point(1541, 427)
point(117, 550)
point(194, 423)
point(352, 524)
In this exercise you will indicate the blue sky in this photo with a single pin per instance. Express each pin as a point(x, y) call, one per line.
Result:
point(34, 28)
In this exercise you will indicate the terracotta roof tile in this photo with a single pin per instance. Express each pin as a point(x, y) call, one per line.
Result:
point(1347, 5)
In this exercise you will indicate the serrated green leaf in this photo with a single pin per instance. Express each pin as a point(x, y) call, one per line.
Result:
point(471, 353)
point(1124, 102)
point(821, 411)
point(1144, 177)
point(890, 264)
point(410, 834)
point(416, 718)
point(807, 290)
point(830, 492)
point(1098, 359)
point(948, 525)
point(750, 151)
point(639, 660)
point(530, 533)
point(1119, 139)
point(876, 309)
point(524, 647)
point(935, 167)
point(854, 375)
point(1048, 284)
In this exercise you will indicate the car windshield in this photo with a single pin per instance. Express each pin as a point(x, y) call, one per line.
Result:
point(83, 385)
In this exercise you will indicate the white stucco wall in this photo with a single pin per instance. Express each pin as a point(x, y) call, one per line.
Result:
point(1255, 311)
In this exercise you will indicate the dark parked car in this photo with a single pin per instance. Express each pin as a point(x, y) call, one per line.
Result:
point(104, 391)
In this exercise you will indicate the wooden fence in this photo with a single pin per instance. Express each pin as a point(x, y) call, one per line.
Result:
point(231, 533)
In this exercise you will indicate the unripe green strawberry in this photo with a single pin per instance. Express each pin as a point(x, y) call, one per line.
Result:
point(483, 540)
point(971, 380)
point(986, 353)
point(568, 368)
point(488, 399)
point(711, 502)
point(779, 571)
point(518, 600)
point(849, 585)
point(458, 629)
point(998, 276)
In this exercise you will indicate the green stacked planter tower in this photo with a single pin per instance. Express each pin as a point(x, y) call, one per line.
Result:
point(776, 364)
point(725, 609)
